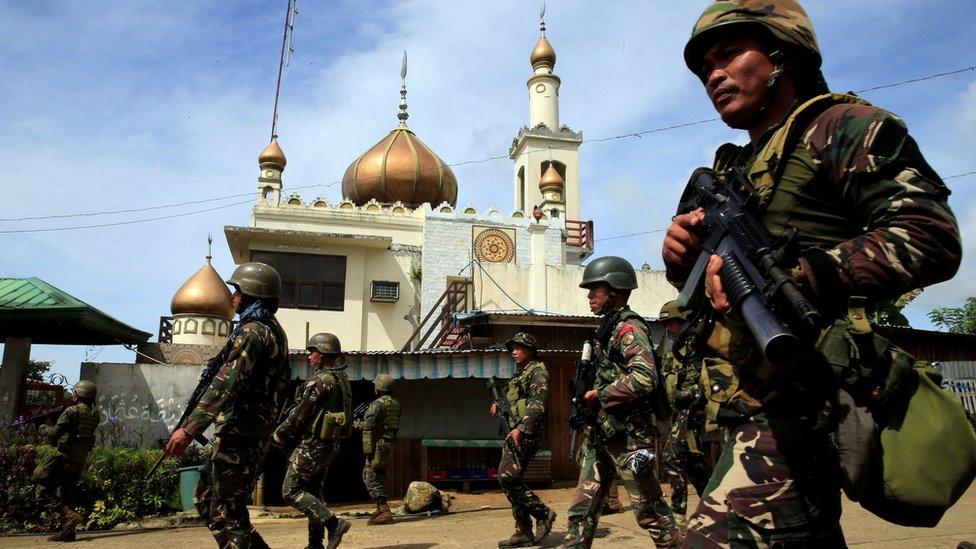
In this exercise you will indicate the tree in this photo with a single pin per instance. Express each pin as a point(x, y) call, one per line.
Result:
point(888, 313)
point(957, 320)
point(37, 369)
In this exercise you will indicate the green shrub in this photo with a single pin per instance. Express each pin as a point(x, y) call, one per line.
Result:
point(114, 488)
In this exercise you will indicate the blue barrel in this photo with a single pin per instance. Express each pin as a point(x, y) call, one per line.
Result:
point(189, 476)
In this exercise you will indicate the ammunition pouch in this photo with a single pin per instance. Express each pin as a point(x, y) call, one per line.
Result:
point(905, 447)
point(381, 455)
point(329, 425)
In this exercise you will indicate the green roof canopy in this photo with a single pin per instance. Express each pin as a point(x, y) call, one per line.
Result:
point(30, 307)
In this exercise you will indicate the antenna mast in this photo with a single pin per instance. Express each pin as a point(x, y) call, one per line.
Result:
point(286, 42)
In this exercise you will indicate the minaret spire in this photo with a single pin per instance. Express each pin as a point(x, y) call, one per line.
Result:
point(209, 247)
point(403, 115)
point(542, 18)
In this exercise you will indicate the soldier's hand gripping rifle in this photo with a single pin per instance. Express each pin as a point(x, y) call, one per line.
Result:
point(41, 417)
point(760, 291)
point(213, 366)
point(506, 420)
point(580, 415)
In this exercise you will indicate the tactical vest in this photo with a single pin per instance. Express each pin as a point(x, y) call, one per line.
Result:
point(612, 365)
point(332, 421)
point(391, 417)
point(518, 392)
point(78, 441)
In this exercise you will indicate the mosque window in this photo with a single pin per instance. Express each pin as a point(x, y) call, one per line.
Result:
point(308, 281)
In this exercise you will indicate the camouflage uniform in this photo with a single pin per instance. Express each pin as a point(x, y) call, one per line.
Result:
point(241, 403)
point(57, 476)
point(626, 377)
point(379, 425)
point(320, 418)
point(873, 221)
point(683, 456)
point(528, 396)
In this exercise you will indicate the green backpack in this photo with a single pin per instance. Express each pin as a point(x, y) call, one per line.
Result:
point(906, 448)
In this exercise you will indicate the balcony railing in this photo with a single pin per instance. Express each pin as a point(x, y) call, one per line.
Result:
point(580, 234)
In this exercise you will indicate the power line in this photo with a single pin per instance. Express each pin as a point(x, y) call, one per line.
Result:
point(958, 175)
point(919, 79)
point(130, 222)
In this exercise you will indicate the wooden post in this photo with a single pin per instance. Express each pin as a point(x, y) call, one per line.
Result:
point(16, 356)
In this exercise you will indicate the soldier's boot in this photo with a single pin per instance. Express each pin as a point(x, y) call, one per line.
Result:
point(71, 521)
point(337, 528)
point(383, 514)
point(544, 525)
point(612, 505)
point(377, 511)
point(316, 535)
point(522, 537)
point(257, 542)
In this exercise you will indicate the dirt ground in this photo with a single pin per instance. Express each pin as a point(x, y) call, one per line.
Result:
point(480, 520)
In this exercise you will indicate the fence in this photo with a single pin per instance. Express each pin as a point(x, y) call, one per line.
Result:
point(965, 389)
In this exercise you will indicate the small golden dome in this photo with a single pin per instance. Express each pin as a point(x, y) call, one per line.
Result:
point(400, 168)
point(204, 293)
point(272, 154)
point(551, 179)
point(543, 53)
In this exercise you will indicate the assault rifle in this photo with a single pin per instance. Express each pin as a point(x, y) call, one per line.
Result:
point(580, 415)
point(213, 366)
point(763, 294)
point(506, 420)
point(41, 417)
point(359, 413)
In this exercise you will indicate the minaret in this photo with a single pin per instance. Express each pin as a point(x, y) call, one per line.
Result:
point(552, 186)
point(272, 162)
point(543, 143)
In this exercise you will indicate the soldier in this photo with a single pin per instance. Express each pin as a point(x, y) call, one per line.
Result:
point(380, 424)
point(528, 396)
point(683, 456)
point(869, 218)
point(321, 418)
point(241, 402)
point(57, 477)
point(622, 443)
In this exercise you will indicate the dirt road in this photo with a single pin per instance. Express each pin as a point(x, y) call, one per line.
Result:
point(480, 520)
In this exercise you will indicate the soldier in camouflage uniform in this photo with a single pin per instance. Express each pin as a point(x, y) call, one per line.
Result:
point(528, 396)
point(683, 456)
point(241, 402)
point(622, 444)
point(320, 419)
point(872, 220)
point(380, 424)
point(57, 476)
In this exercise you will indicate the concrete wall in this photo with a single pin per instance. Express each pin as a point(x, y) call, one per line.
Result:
point(146, 399)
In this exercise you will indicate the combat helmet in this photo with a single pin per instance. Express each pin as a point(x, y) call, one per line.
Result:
point(784, 20)
point(256, 280)
point(614, 271)
point(325, 343)
point(85, 389)
point(672, 311)
point(383, 382)
point(524, 339)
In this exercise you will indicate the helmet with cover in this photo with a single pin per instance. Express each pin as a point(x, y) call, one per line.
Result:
point(784, 21)
point(614, 271)
point(256, 280)
point(325, 343)
point(85, 389)
point(383, 382)
point(672, 311)
point(523, 339)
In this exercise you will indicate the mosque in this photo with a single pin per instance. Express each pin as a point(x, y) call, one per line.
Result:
point(414, 285)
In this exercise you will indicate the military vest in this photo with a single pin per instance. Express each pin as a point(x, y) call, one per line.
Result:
point(78, 441)
point(611, 365)
point(333, 419)
point(519, 390)
point(391, 417)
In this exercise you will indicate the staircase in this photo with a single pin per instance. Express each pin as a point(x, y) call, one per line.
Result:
point(443, 332)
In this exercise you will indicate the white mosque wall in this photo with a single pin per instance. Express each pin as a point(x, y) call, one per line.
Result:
point(404, 225)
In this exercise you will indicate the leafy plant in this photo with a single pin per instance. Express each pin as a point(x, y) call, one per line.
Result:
point(957, 320)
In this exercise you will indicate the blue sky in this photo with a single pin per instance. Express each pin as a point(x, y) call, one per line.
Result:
point(107, 106)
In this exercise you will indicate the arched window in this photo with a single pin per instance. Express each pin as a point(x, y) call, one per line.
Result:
point(521, 189)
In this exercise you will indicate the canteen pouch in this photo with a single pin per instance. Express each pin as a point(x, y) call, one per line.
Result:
point(381, 457)
point(905, 447)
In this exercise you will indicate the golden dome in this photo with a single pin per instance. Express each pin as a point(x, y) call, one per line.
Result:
point(204, 293)
point(551, 179)
point(272, 154)
point(400, 167)
point(543, 53)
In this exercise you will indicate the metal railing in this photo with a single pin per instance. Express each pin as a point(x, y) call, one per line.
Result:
point(165, 334)
point(453, 300)
point(580, 234)
point(965, 389)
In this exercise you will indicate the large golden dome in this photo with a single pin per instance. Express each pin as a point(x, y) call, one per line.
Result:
point(400, 167)
point(204, 293)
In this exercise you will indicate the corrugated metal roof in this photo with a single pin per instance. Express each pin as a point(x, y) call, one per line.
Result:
point(958, 369)
point(34, 293)
point(422, 352)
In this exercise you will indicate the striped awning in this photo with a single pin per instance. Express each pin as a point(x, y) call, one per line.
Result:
point(479, 363)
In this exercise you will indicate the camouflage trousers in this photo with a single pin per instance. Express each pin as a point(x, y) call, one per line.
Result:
point(60, 486)
point(601, 464)
point(775, 484)
point(225, 487)
point(375, 480)
point(305, 479)
point(525, 504)
point(684, 460)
